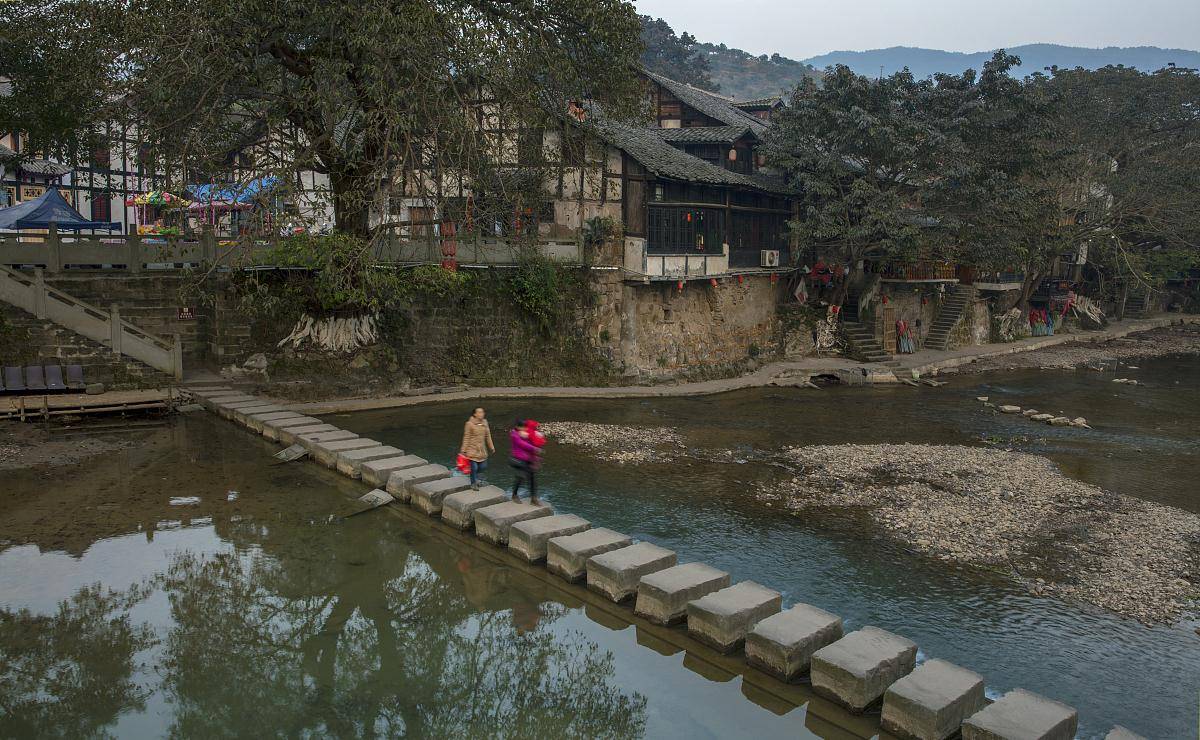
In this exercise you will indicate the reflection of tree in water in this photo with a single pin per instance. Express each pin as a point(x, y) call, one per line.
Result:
point(381, 642)
point(70, 674)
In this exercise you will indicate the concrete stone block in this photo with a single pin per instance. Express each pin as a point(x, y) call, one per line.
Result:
point(257, 422)
point(377, 472)
point(1022, 715)
point(567, 556)
point(931, 702)
point(291, 435)
point(782, 644)
point(857, 669)
point(663, 597)
point(616, 573)
point(350, 462)
point(492, 523)
point(428, 496)
point(528, 539)
point(242, 415)
point(271, 429)
point(400, 482)
point(326, 452)
point(722, 619)
point(231, 412)
point(309, 441)
point(458, 509)
point(1119, 732)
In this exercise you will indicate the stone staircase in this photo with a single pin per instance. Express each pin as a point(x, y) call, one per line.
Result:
point(27, 340)
point(860, 336)
point(948, 317)
point(1137, 305)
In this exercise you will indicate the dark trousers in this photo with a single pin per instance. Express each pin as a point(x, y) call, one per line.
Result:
point(525, 472)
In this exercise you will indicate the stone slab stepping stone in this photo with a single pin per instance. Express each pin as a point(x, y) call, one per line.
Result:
point(228, 398)
point(377, 472)
point(1009, 409)
point(782, 644)
point(458, 509)
point(326, 452)
point(723, 618)
point(1119, 732)
point(931, 702)
point(227, 410)
point(350, 462)
point(258, 422)
point(529, 538)
point(492, 523)
point(291, 435)
point(857, 669)
point(428, 496)
point(400, 482)
point(616, 573)
point(210, 391)
point(242, 415)
point(273, 429)
point(663, 597)
point(1022, 714)
point(567, 556)
point(312, 440)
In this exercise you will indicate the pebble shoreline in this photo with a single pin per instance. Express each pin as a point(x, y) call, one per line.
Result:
point(1002, 510)
point(1153, 343)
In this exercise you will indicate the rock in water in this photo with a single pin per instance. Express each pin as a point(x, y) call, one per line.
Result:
point(1079, 421)
point(1008, 409)
point(981, 398)
point(1042, 417)
point(1030, 412)
point(1059, 421)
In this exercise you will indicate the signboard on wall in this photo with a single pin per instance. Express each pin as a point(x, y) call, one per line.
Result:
point(29, 192)
point(187, 313)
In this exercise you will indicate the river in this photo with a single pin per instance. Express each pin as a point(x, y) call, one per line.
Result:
point(185, 587)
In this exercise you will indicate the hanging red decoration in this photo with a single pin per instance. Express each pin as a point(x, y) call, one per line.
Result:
point(741, 279)
point(835, 309)
point(885, 300)
point(774, 278)
point(680, 286)
point(712, 282)
point(924, 300)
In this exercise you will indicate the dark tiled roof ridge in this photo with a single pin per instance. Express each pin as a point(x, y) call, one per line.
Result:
point(710, 104)
point(702, 133)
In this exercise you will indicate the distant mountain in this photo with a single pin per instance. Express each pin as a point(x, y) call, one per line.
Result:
point(1034, 58)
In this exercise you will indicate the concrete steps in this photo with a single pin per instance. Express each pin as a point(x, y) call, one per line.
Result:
point(948, 317)
point(863, 340)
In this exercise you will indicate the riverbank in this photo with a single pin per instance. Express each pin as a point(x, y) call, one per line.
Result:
point(794, 373)
point(24, 445)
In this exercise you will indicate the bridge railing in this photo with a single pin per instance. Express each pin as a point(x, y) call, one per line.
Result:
point(55, 252)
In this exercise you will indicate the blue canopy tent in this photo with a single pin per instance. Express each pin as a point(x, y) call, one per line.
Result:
point(227, 194)
point(39, 213)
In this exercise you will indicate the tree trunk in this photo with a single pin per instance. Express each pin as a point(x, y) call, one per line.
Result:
point(1032, 278)
point(351, 213)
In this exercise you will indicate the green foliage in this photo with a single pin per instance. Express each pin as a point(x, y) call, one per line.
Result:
point(343, 273)
point(674, 56)
point(537, 286)
point(744, 76)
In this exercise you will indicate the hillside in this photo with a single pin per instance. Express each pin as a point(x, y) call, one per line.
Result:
point(743, 76)
point(1034, 57)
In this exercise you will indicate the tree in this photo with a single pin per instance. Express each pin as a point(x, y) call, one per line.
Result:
point(674, 56)
point(855, 150)
point(361, 91)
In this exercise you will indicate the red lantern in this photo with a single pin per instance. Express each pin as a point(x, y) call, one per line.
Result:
point(835, 309)
point(741, 279)
point(679, 285)
point(774, 278)
point(924, 300)
point(712, 282)
point(885, 300)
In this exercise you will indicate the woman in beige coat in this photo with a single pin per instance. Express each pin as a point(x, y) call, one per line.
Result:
point(477, 445)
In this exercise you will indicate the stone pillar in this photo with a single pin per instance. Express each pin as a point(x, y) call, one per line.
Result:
point(53, 249)
point(114, 323)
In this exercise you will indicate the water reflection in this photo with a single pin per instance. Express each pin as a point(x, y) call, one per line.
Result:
point(71, 673)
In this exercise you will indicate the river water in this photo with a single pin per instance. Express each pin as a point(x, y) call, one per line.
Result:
point(184, 587)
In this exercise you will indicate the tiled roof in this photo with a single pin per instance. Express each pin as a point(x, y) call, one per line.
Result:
point(702, 134)
point(44, 167)
point(710, 104)
point(656, 155)
point(767, 102)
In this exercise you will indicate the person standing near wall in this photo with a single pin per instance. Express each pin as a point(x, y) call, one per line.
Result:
point(477, 444)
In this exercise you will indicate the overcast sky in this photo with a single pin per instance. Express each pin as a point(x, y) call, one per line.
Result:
point(801, 28)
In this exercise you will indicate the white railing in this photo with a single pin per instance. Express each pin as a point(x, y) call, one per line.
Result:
point(31, 294)
point(673, 266)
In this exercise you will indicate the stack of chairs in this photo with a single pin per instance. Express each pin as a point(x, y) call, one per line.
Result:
point(38, 379)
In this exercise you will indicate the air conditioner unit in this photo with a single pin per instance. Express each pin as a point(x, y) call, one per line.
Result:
point(769, 258)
